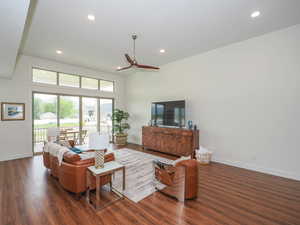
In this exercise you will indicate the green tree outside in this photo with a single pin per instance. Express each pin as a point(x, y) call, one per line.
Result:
point(67, 108)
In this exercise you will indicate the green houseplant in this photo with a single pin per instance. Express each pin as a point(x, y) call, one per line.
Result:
point(120, 126)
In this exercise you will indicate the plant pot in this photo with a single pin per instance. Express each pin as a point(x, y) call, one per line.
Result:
point(120, 139)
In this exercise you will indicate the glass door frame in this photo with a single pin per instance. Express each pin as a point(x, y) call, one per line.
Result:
point(80, 112)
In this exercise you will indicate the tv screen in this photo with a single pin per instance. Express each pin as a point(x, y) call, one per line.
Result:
point(170, 113)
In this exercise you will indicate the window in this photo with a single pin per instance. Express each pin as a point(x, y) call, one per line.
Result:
point(68, 80)
point(89, 83)
point(44, 76)
point(106, 86)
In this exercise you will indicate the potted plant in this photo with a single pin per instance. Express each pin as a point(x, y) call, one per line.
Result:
point(119, 118)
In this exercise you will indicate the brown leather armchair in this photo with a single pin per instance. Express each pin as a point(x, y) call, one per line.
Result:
point(181, 180)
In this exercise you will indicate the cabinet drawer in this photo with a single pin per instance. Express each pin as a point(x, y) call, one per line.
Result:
point(174, 141)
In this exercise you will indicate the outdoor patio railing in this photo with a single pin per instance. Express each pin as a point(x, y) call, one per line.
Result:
point(40, 134)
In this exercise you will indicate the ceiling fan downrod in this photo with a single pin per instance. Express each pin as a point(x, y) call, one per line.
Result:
point(134, 37)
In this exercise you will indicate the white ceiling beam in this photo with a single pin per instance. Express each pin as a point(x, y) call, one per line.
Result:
point(13, 15)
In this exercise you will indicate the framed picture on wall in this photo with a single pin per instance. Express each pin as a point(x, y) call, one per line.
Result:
point(12, 111)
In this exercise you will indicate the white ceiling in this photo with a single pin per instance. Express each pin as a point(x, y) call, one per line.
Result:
point(182, 27)
point(12, 21)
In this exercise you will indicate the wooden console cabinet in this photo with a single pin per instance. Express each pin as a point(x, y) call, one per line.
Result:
point(175, 141)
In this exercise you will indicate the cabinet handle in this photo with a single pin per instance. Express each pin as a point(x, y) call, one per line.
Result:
point(171, 134)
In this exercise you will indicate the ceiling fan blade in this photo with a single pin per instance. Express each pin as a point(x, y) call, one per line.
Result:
point(124, 68)
point(129, 59)
point(147, 67)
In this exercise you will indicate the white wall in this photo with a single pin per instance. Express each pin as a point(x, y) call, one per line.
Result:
point(16, 137)
point(244, 97)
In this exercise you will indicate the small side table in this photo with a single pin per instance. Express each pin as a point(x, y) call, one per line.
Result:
point(109, 169)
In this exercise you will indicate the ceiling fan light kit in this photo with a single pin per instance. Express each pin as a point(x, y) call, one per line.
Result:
point(133, 62)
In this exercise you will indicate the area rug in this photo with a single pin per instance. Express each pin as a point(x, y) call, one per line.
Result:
point(139, 173)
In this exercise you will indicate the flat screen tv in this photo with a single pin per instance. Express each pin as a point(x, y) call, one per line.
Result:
point(171, 113)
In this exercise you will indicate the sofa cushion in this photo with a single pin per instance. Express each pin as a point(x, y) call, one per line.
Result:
point(71, 157)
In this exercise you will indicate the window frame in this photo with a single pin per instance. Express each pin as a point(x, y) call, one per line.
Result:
point(80, 80)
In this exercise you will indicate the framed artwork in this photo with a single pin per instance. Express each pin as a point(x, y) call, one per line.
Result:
point(12, 111)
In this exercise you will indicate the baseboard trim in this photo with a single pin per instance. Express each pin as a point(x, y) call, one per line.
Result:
point(17, 156)
point(253, 167)
point(256, 168)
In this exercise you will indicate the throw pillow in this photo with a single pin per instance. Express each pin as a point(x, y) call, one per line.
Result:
point(76, 150)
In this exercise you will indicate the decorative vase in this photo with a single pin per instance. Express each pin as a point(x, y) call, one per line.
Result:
point(99, 159)
point(121, 139)
point(190, 124)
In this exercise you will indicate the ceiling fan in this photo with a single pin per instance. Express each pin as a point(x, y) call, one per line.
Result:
point(133, 62)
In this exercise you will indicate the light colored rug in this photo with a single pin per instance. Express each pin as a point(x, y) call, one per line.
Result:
point(139, 173)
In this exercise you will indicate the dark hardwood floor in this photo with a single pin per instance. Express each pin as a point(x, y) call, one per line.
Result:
point(227, 195)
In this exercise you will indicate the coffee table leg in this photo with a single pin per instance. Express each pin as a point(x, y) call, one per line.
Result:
point(88, 185)
point(97, 192)
point(124, 178)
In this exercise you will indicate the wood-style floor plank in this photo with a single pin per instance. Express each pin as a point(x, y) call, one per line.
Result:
point(226, 195)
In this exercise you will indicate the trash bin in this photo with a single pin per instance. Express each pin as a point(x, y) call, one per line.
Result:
point(203, 156)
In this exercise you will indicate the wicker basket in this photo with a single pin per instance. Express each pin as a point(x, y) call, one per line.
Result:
point(204, 158)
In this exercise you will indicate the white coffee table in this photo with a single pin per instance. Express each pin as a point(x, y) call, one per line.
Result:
point(109, 169)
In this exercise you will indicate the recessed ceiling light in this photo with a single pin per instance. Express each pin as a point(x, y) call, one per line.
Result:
point(59, 52)
point(255, 14)
point(162, 51)
point(119, 67)
point(91, 17)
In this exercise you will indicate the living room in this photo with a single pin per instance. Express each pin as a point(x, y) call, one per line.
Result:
point(72, 68)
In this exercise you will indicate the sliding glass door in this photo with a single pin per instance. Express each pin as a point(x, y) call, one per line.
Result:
point(45, 115)
point(69, 122)
point(106, 110)
point(89, 117)
point(75, 116)
point(69, 112)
